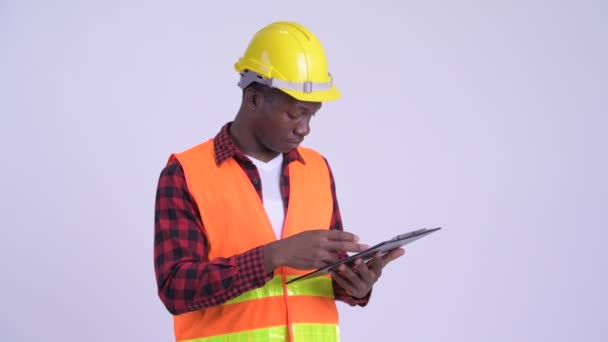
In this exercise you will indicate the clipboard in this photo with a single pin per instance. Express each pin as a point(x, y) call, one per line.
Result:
point(384, 247)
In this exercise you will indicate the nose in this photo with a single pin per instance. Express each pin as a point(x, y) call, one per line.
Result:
point(303, 126)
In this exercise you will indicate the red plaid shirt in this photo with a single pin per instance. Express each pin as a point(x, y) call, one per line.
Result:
point(187, 280)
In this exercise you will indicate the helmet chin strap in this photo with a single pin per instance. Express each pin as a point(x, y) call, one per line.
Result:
point(248, 77)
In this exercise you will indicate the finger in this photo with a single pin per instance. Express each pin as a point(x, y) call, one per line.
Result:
point(367, 274)
point(340, 235)
point(321, 258)
point(361, 287)
point(353, 277)
point(345, 246)
point(343, 282)
point(328, 257)
point(377, 264)
point(392, 255)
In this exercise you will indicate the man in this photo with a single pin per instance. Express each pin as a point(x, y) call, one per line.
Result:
point(238, 215)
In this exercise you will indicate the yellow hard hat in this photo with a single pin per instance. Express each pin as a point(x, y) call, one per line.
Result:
point(289, 57)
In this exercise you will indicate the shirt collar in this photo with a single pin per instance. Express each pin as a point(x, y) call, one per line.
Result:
point(225, 149)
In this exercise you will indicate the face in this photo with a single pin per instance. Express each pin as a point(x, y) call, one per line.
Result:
point(282, 123)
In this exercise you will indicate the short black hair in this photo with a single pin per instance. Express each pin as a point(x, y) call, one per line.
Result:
point(270, 94)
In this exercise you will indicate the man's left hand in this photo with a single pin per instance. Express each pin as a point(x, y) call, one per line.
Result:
point(360, 282)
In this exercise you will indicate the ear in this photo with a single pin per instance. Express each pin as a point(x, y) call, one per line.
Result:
point(253, 99)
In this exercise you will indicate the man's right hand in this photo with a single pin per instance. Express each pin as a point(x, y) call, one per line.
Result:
point(310, 249)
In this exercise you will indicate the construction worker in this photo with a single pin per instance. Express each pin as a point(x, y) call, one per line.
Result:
point(238, 215)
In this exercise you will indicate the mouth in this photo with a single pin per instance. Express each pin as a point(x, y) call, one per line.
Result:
point(294, 143)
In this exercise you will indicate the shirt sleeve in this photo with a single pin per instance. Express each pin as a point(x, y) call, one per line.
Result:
point(336, 223)
point(186, 279)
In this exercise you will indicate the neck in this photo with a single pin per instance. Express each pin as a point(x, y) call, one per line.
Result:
point(242, 135)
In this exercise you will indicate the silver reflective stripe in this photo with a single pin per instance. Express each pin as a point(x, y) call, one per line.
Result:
point(248, 77)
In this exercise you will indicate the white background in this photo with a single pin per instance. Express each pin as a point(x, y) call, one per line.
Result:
point(487, 118)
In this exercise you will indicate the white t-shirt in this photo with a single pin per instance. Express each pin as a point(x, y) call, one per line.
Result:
point(270, 175)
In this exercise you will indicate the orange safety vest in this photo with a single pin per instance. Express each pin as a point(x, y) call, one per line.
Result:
point(235, 221)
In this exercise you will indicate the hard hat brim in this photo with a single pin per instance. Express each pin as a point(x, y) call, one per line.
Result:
point(331, 94)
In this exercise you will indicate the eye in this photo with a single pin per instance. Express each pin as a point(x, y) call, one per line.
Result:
point(299, 114)
point(292, 115)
